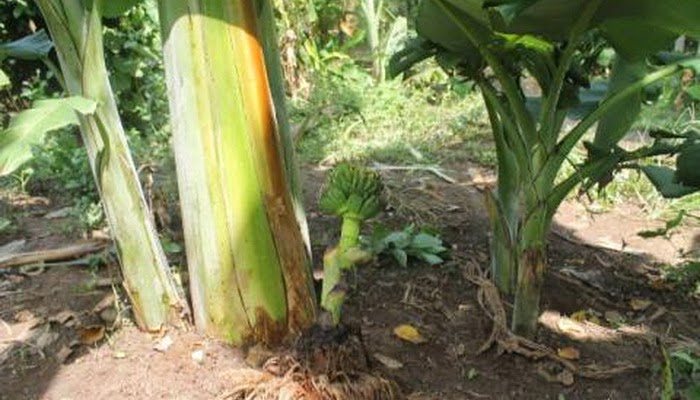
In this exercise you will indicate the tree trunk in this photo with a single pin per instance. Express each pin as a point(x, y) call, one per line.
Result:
point(77, 36)
point(249, 270)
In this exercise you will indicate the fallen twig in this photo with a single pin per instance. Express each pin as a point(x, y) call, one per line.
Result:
point(437, 171)
point(62, 253)
point(598, 245)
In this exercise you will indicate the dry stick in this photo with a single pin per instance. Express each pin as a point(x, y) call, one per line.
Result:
point(598, 245)
point(62, 253)
point(429, 168)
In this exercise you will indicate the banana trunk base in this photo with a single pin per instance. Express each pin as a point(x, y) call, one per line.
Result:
point(533, 263)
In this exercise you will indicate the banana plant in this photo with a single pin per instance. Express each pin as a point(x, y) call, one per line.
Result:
point(250, 276)
point(496, 43)
point(76, 30)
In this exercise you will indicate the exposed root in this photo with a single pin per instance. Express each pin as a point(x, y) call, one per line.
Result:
point(327, 365)
point(490, 301)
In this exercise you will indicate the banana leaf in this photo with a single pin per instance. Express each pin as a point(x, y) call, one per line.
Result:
point(622, 22)
point(32, 47)
point(664, 180)
point(29, 127)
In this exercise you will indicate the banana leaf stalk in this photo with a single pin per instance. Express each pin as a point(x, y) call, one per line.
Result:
point(77, 34)
point(249, 269)
point(273, 62)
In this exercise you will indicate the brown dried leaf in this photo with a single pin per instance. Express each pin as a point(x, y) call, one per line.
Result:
point(569, 353)
point(409, 333)
point(92, 334)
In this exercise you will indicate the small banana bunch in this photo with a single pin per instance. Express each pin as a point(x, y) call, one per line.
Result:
point(352, 192)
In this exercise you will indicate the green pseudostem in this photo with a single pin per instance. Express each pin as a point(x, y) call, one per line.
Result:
point(354, 194)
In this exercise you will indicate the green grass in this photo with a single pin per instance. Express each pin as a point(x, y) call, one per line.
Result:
point(351, 119)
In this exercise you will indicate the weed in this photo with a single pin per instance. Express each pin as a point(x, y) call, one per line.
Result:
point(685, 277)
point(686, 373)
point(420, 244)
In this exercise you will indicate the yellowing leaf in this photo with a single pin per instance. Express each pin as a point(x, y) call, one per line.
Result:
point(639, 304)
point(569, 353)
point(409, 333)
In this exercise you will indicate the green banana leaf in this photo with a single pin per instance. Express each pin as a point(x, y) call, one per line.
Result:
point(32, 47)
point(636, 28)
point(664, 179)
point(614, 125)
point(435, 25)
point(29, 127)
point(622, 22)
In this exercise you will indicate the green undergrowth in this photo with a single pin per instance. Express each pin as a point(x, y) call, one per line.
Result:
point(348, 117)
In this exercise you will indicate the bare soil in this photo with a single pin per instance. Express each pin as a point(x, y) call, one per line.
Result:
point(50, 316)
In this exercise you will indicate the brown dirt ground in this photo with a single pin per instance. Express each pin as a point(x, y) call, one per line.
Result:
point(41, 356)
